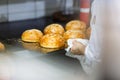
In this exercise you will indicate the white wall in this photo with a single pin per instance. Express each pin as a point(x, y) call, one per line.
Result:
point(3, 11)
point(12, 10)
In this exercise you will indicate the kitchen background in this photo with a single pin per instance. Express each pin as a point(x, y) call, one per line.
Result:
point(14, 10)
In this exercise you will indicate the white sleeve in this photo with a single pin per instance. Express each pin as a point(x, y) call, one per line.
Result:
point(92, 57)
point(89, 61)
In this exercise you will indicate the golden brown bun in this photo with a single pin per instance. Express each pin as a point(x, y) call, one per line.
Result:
point(55, 29)
point(76, 25)
point(71, 34)
point(32, 35)
point(88, 32)
point(52, 41)
point(2, 47)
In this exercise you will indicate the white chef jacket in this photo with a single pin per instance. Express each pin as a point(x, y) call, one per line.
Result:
point(93, 50)
point(104, 40)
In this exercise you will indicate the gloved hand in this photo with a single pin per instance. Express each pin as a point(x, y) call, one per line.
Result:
point(78, 48)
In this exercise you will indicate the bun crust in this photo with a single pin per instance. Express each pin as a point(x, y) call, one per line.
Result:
point(32, 35)
point(52, 41)
point(76, 25)
point(54, 29)
point(2, 47)
point(71, 34)
point(88, 32)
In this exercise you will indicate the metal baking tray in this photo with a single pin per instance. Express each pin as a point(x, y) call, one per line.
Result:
point(18, 44)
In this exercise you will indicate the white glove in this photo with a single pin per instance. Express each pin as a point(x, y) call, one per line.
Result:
point(70, 44)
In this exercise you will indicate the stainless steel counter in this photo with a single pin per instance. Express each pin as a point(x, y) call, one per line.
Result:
point(18, 63)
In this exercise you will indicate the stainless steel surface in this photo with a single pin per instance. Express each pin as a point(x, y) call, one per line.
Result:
point(22, 64)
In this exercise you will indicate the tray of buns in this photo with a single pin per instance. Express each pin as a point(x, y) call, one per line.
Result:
point(53, 38)
point(38, 48)
point(14, 45)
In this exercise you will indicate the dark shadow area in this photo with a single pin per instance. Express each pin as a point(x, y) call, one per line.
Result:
point(16, 28)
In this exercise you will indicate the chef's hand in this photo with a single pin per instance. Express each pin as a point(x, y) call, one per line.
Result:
point(78, 48)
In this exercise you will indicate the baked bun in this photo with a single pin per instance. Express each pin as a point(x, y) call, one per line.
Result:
point(32, 35)
point(55, 29)
point(71, 34)
point(2, 47)
point(76, 25)
point(88, 32)
point(52, 41)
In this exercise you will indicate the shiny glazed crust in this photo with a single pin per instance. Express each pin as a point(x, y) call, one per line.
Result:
point(76, 25)
point(55, 29)
point(2, 47)
point(52, 41)
point(88, 32)
point(71, 34)
point(32, 35)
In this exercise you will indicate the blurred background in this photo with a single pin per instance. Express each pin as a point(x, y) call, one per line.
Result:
point(12, 10)
point(18, 15)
